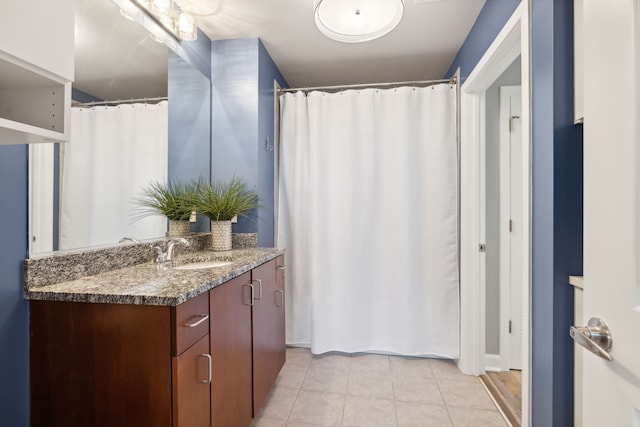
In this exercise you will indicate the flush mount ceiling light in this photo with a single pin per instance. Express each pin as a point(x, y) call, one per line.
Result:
point(355, 21)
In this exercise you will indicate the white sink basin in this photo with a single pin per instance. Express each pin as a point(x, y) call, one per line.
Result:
point(203, 265)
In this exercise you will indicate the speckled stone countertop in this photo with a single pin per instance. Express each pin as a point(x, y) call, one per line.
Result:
point(154, 284)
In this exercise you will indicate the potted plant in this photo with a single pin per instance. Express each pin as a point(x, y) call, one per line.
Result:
point(220, 202)
point(172, 199)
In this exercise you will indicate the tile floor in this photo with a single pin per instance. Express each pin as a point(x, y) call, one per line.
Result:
point(375, 390)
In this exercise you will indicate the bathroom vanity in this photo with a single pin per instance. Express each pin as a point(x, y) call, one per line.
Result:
point(151, 345)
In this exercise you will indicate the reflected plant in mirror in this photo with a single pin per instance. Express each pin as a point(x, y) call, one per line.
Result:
point(175, 200)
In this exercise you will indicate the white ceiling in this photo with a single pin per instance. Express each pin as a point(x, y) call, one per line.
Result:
point(116, 59)
point(423, 45)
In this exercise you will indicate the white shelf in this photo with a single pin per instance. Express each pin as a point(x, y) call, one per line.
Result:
point(34, 104)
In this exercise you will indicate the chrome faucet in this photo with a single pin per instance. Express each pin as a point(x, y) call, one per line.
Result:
point(167, 256)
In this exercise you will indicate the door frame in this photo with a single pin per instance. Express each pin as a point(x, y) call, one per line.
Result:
point(512, 41)
point(506, 246)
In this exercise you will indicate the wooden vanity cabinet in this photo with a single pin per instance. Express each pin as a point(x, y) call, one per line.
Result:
point(192, 373)
point(100, 365)
point(209, 361)
point(231, 389)
point(247, 343)
point(268, 328)
point(119, 365)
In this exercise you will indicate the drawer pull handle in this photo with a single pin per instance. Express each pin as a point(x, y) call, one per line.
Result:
point(281, 293)
point(209, 378)
point(281, 267)
point(203, 318)
point(259, 288)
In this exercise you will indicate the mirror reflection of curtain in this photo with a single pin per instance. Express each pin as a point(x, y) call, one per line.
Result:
point(368, 214)
point(112, 153)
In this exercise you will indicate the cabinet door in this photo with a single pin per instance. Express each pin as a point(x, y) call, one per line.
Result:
point(192, 386)
point(230, 331)
point(280, 338)
point(99, 365)
point(268, 331)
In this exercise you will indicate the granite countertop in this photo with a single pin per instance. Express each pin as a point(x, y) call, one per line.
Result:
point(154, 284)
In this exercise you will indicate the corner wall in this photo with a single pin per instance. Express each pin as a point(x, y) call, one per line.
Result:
point(242, 120)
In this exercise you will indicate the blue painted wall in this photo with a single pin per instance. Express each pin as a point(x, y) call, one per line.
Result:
point(14, 310)
point(189, 125)
point(268, 72)
point(557, 210)
point(493, 16)
point(197, 53)
point(242, 118)
point(556, 196)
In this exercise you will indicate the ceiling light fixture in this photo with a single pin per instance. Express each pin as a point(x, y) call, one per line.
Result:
point(355, 21)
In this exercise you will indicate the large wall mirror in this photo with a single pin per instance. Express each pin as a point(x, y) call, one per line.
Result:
point(156, 126)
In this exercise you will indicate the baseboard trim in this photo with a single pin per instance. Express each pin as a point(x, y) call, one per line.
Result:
point(492, 362)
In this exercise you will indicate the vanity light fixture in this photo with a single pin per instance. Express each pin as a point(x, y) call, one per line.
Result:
point(355, 21)
point(177, 22)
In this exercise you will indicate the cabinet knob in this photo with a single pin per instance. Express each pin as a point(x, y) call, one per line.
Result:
point(281, 267)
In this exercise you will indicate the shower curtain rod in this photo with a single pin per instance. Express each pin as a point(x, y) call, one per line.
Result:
point(452, 80)
point(118, 101)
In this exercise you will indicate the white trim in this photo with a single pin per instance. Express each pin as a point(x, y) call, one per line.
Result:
point(493, 362)
point(276, 160)
point(513, 40)
point(507, 242)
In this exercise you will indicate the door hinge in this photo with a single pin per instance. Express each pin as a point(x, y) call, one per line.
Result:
point(509, 326)
point(510, 226)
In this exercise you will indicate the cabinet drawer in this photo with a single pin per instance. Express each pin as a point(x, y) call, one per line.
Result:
point(191, 322)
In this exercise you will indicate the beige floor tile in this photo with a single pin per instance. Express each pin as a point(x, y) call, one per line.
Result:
point(367, 385)
point(412, 414)
point(278, 403)
point(463, 417)
point(365, 412)
point(292, 375)
point(447, 369)
point(265, 421)
point(298, 356)
point(370, 363)
point(334, 361)
point(319, 408)
point(417, 389)
point(465, 394)
point(326, 379)
point(410, 366)
point(370, 384)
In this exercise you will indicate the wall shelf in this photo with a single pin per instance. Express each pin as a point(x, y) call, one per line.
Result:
point(34, 103)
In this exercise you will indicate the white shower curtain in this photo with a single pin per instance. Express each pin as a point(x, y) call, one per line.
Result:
point(113, 152)
point(368, 215)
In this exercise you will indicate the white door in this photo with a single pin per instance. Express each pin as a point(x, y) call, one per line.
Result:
point(611, 389)
point(511, 226)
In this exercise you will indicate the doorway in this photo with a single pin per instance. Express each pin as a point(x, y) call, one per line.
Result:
point(510, 44)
